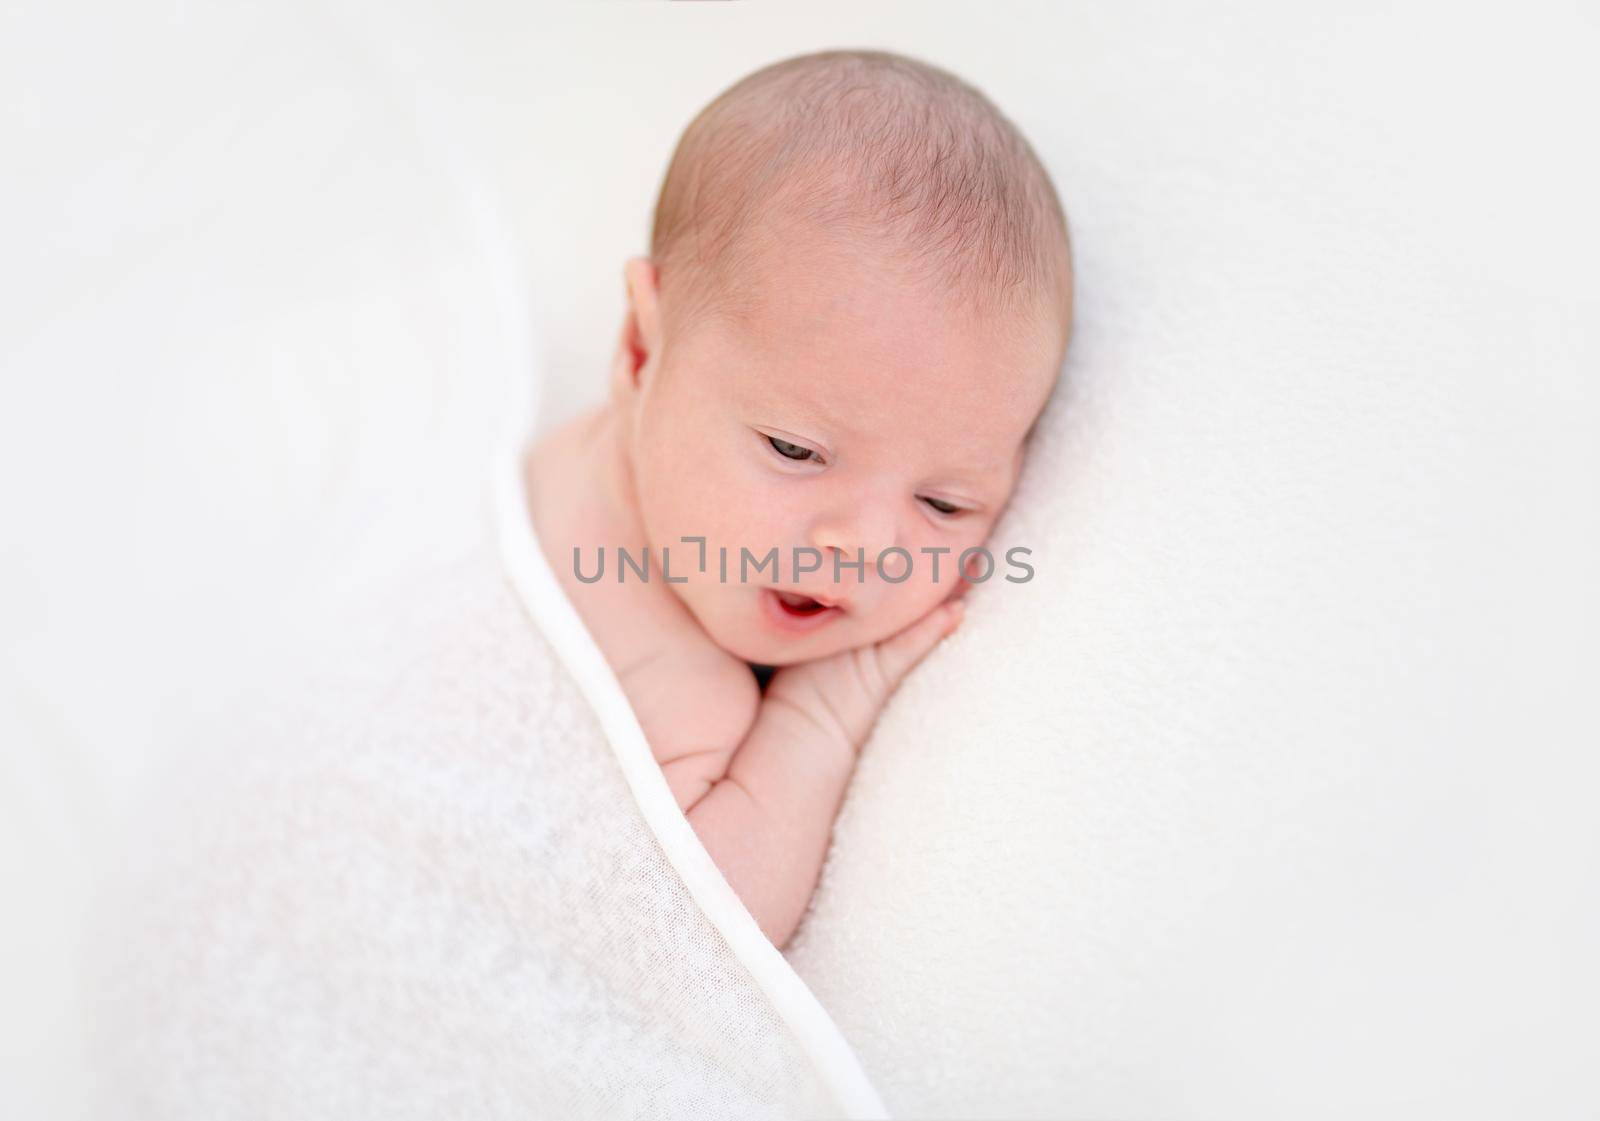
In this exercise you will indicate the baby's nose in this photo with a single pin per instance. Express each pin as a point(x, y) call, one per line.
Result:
point(851, 537)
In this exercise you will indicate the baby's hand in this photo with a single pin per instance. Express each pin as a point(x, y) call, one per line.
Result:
point(767, 822)
point(839, 697)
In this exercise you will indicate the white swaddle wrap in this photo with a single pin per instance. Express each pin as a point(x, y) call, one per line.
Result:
point(428, 891)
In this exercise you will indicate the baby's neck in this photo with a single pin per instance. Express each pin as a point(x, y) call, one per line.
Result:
point(615, 474)
point(588, 461)
point(560, 486)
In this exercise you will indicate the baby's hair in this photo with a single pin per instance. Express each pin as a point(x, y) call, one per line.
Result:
point(885, 151)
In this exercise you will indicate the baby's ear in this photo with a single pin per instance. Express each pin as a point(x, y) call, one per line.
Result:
point(641, 329)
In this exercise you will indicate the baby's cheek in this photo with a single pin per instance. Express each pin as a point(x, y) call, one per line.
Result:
point(754, 513)
point(939, 558)
point(697, 500)
point(733, 514)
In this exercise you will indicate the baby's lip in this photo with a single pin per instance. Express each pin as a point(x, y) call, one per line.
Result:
point(821, 597)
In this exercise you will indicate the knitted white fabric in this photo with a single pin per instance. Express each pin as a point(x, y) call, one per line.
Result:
point(426, 891)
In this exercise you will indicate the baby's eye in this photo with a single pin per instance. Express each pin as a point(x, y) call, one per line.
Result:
point(788, 450)
point(942, 506)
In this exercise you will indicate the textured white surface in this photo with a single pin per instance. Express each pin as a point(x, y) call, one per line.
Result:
point(1267, 798)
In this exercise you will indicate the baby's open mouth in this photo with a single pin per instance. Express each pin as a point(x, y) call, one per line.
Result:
point(799, 605)
point(795, 613)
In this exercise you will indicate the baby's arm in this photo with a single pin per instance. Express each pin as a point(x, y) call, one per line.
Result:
point(766, 822)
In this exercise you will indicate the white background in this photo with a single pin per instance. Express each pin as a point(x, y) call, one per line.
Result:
point(1326, 823)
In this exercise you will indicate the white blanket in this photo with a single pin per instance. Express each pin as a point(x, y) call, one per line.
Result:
point(427, 890)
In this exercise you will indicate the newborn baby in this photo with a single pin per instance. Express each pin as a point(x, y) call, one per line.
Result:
point(856, 303)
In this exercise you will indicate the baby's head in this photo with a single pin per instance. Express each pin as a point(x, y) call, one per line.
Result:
point(857, 302)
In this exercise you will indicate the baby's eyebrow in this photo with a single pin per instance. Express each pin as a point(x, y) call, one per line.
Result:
point(814, 418)
point(819, 415)
point(977, 479)
point(977, 484)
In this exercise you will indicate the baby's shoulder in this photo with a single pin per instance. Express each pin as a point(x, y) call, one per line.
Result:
point(691, 698)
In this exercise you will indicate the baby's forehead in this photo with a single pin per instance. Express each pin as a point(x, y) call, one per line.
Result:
point(865, 303)
point(858, 343)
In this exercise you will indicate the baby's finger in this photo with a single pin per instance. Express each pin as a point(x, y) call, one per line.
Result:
point(962, 587)
point(898, 653)
point(963, 581)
